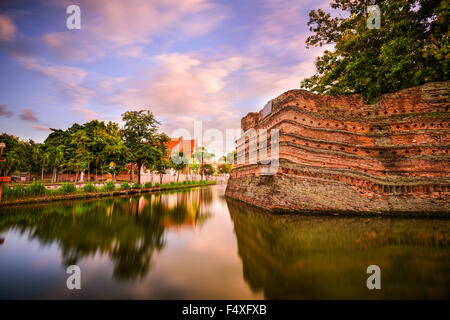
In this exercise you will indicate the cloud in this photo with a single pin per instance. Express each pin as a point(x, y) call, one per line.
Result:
point(28, 115)
point(4, 112)
point(41, 128)
point(7, 28)
point(87, 114)
point(69, 81)
point(123, 28)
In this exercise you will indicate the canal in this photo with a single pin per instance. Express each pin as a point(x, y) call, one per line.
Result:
point(196, 244)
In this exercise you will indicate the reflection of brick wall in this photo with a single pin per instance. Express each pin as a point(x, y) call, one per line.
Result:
point(395, 151)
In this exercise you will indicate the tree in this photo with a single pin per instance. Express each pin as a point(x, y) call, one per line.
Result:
point(208, 169)
point(179, 162)
point(201, 154)
point(107, 146)
point(225, 168)
point(161, 165)
point(81, 155)
point(18, 154)
point(145, 145)
point(411, 47)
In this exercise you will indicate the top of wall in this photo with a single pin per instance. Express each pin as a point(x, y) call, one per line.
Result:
point(406, 100)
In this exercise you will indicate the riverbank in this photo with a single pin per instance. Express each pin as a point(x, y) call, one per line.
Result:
point(99, 194)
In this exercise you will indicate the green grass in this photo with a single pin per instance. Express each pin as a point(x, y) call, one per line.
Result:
point(37, 189)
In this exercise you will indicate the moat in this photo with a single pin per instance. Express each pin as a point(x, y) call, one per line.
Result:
point(197, 244)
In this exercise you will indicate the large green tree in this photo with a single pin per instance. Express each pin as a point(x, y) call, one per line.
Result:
point(410, 48)
point(146, 146)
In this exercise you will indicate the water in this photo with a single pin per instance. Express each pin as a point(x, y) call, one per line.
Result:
point(195, 244)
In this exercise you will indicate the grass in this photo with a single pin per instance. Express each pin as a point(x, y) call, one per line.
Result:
point(37, 189)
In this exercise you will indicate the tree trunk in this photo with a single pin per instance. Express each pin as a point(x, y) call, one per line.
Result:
point(42, 172)
point(160, 178)
point(139, 173)
point(96, 177)
point(178, 175)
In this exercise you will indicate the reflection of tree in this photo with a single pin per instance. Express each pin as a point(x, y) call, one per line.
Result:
point(295, 257)
point(128, 230)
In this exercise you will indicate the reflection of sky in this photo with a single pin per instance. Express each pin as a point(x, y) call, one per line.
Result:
point(199, 263)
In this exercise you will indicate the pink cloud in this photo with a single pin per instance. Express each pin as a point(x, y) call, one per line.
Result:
point(7, 28)
point(5, 112)
point(66, 80)
point(28, 115)
point(123, 28)
point(41, 128)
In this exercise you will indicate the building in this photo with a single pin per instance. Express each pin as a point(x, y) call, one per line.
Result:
point(180, 145)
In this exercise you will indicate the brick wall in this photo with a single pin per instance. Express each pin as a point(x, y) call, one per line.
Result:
point(395, 150)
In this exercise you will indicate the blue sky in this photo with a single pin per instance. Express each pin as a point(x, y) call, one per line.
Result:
point(185, 60)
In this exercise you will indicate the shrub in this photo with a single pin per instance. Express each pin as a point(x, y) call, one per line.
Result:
point(172, 183)
point(109, 186)
point(7, 192)
point(148, 185)
point(89, 188)
point(36, 189)
point(137, 186)
point(125, 186)
point(157, 184)
point(67, 188)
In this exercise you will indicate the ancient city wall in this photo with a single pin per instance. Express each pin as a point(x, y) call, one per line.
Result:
point(338, 154)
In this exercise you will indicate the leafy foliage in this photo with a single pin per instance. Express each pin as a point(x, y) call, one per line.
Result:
point(411, 47)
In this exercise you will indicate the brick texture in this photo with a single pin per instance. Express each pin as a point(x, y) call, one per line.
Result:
point(338, 154)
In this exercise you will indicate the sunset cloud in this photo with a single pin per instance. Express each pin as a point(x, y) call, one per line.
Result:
point(7, 28)
point(4, 112)
point(28, 115)
point(67, 80)
point(41, 128)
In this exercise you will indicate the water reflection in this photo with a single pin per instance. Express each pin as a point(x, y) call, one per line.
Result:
point(298, 257)
point(128, 230)
point(194, 244)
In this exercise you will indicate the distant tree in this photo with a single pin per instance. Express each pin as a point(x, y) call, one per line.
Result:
point(161, 165)
point(411, 47)
point(202, 155)
point(179, 162)
point(208, 169)
point(224, 168)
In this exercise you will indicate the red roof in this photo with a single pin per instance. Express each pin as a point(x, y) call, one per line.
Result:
point(187, 146)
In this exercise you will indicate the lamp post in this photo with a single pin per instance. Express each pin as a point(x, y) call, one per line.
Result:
point(2, 179)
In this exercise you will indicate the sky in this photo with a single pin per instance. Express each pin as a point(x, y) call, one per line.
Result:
point(184, 60)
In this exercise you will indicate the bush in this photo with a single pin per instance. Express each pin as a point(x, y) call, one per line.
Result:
point(89, 188)
point(125, 186)
point(172, 183)
point(137, 186)
point(36, 189)
point(157, 184)
point(109, 186)
point(148, 185)
point(67, 188)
